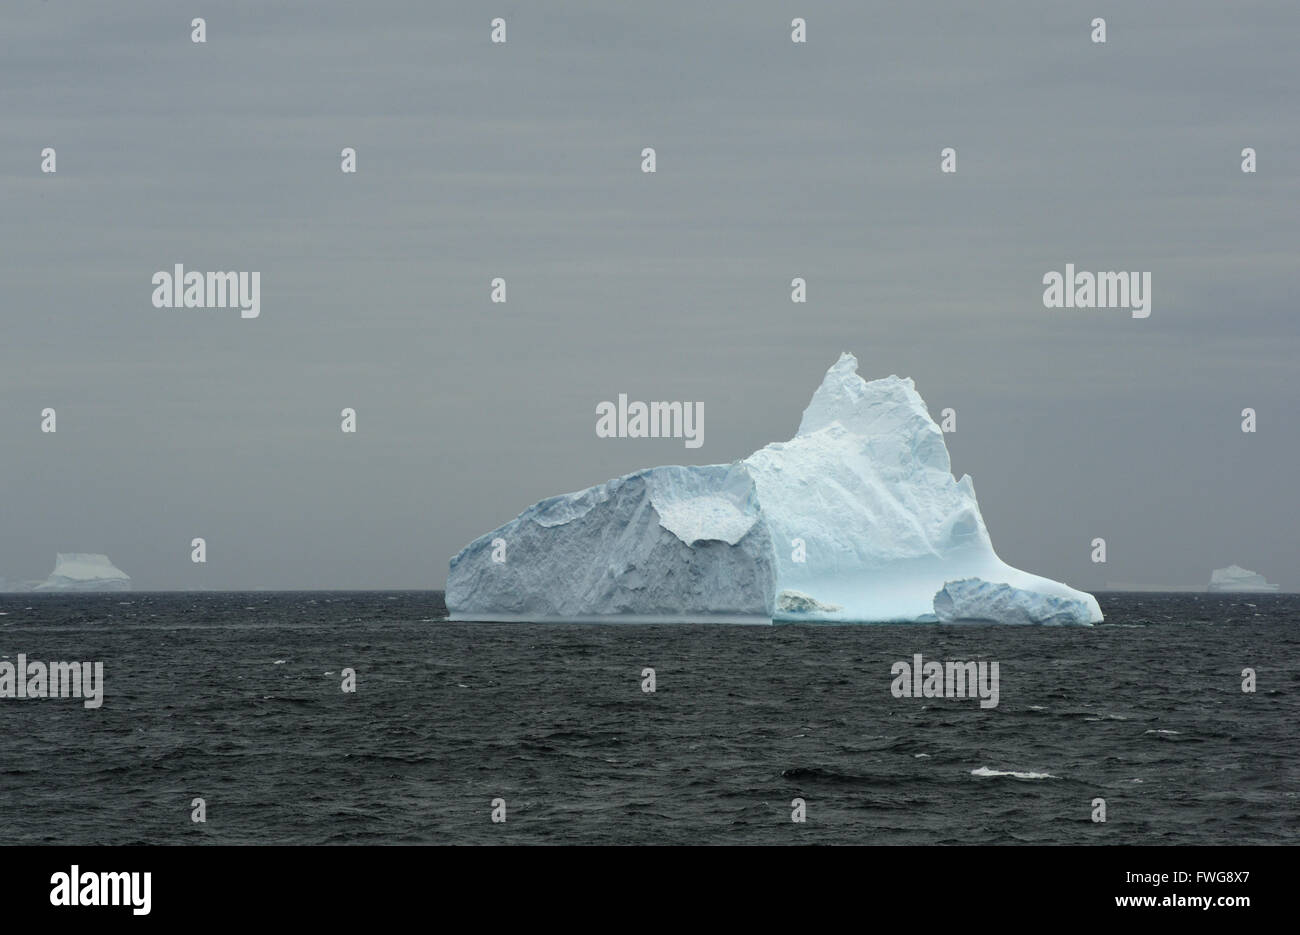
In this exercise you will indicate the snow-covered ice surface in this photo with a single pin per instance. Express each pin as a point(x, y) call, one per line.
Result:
point(84, 571)
point(863, 494)
point(1236, 578)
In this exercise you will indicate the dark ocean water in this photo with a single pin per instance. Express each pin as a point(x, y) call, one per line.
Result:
point(236, 698)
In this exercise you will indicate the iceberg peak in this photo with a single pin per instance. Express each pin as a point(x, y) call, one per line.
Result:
point(875, 411)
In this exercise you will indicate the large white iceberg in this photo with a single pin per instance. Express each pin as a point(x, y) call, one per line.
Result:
point(855, 519)
point(84, 571)
point(1236, 578)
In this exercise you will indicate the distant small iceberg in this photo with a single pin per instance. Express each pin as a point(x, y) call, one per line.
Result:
point(1236, 578)
point(84, 571)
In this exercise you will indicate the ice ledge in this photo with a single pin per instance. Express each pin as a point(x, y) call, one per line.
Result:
point(973, 600)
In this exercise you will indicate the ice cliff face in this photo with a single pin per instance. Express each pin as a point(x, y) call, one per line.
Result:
point(855, 519)
point(1236, 578)
point(84, 571)
point(664, 544)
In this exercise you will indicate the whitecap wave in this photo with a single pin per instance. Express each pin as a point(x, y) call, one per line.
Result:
point(1017, 774)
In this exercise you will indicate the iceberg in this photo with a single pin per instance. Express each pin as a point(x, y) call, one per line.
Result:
point(857, 519)
point(1236, 578)
point(84, 571)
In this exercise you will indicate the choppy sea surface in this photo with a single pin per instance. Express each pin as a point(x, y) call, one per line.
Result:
point(236, 698)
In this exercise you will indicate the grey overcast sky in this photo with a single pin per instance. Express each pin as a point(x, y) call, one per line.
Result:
point(522, 161)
